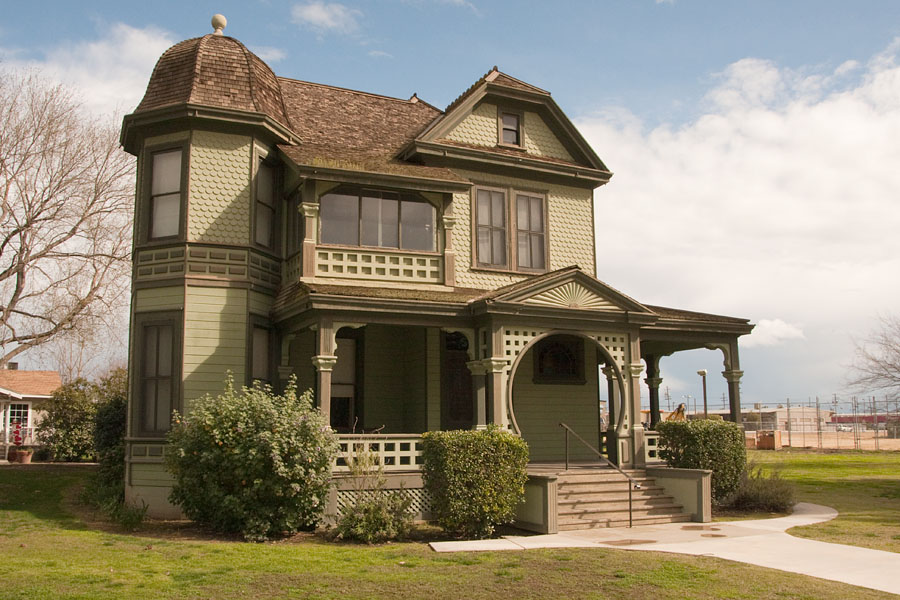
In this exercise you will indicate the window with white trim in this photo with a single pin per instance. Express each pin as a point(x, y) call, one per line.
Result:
point(19, 413)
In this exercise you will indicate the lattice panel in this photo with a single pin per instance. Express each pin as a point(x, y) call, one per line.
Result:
point(421, 499)
point(617, 345)
point(383, 266)
point(514, 340)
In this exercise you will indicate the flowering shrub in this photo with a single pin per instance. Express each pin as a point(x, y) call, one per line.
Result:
point(251, 461)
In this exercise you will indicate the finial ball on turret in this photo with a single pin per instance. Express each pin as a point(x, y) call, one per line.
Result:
point(219, 22)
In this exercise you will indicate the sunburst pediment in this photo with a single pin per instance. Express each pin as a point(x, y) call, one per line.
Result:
point(572, 295)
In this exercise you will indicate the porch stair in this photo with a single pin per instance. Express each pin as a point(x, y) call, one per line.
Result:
point(598, 498)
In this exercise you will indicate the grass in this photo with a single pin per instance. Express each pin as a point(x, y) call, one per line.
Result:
point(49, 552)
point(864, 487)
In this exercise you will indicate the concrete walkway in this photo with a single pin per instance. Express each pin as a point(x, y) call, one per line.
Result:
point(761, 542)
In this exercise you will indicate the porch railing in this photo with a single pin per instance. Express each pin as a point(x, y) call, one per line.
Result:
point(632, 482)
point(395, 452)
point(7, 437)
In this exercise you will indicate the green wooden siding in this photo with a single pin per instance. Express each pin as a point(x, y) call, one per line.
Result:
point(303, 348)
point(155, 299)
point(394, 379)
point(433, 376)
point(150, 475)
point(540, 408)
point(215, 337)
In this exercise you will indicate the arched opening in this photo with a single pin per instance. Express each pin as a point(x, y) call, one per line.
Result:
point(556, 378)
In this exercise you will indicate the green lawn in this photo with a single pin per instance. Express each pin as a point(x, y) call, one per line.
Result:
point(864, 487)
point(50, 553)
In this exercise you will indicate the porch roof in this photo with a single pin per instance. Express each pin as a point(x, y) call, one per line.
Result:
point(28, 384)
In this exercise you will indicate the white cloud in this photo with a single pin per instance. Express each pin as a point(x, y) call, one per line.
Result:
point(110, 73)
point(269, 54)
point(780, 198)
point(326, 17)
point(380, 54)
point(772, 332)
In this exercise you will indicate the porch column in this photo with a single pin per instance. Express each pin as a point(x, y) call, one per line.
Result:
point(478, 371)
point(449, 254)
point(637, 427)
point(495, 368)
point(324, 362)
point(733, 377)
point(653, 381)
point(612, 433)
point(310, 212)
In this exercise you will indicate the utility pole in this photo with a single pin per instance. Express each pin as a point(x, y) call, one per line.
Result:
point(790, 425)
point(702, 374)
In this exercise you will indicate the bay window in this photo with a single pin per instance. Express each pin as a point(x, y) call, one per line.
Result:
point(376, 218)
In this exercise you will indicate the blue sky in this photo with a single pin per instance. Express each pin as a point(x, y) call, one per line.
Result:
point(754, 144)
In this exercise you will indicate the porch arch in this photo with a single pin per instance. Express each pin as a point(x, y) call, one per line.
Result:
point(619, 407)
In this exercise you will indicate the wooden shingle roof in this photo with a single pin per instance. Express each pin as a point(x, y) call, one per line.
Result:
point(214, 70)
point(352, 130)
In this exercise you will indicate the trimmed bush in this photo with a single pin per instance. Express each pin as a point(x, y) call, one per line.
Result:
point(252, 462)
point(763, 492)
point(706, 444)
point(67, 429)
point(475, 478)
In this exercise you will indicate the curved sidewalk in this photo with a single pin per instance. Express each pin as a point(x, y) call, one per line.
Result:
point(761, 542)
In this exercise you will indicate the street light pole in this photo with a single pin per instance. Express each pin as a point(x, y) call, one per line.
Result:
point(702, 374)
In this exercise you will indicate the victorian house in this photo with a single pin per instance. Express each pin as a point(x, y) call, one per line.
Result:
point(418, 268)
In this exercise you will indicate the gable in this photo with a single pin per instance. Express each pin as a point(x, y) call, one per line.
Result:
point(479, 128)
point(546, 146)
point(568, 288)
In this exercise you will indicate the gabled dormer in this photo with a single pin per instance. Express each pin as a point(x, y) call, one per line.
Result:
point(502, 124)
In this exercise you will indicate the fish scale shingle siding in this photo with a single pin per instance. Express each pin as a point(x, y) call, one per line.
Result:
point(219, 205)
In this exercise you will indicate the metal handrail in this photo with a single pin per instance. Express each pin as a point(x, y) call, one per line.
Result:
point(632, 483)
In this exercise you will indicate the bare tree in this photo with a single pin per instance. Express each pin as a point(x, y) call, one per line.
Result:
point(876, 365)
point(65, 217)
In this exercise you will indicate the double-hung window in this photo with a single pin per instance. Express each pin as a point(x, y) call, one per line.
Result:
point(510, 129)
point(377, 218)
point(165, 194)
point(266, 198)
point(530, 232)
point(510, 235)
point(491, 227)
point(158, 367)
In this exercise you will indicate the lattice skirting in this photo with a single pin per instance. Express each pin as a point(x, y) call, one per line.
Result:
point(420, 507)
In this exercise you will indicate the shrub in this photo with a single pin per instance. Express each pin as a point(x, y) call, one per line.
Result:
point(109, 428)
point(759, 491)
point(705, 444)
point(475, 478)
point(377, 515)
point(252, 462)
point(67, 429)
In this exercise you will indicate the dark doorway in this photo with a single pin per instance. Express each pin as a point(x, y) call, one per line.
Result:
point(457, 399)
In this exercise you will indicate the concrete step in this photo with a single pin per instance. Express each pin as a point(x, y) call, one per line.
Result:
point(600, 490)
point(663, 502)
point(637, 520)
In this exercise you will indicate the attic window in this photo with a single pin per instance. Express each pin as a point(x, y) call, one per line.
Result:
point(510, 129)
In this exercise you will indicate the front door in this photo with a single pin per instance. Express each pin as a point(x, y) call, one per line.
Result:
point(457, 397)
